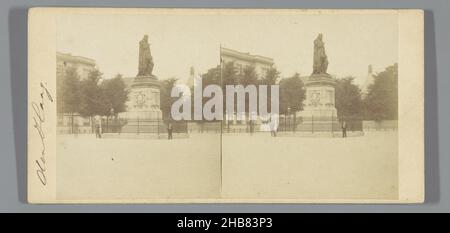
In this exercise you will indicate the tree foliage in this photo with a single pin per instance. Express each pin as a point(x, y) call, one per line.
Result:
point(114, 95)
point(229, 75)
point(248, 76)
point(292, 94)
point(348, 99)
point(292, 91)
point(271, 77)
point(166, 99)
point(212, 76)
point(68, 91)
point(93, 102)
point(381, 102)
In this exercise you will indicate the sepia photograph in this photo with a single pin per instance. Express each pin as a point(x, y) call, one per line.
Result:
point(198, 105)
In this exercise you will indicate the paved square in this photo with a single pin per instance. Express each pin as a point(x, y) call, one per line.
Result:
point(257, 166)
point(261, 166)
point(118, 168)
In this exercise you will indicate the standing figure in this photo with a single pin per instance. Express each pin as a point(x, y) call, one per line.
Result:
point(344, 129)
point(145, 58)
point(273, 124)
point(98, 134)
point(97, 126)
point(75, 128)
point(169, 131)
point(320, 60)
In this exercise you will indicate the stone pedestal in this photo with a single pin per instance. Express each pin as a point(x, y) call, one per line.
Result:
point(320, 97)
point(144, 99)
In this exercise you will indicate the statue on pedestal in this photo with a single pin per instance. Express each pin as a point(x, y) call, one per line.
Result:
point(145, 58)
point(320, 87)
point(320, 60)
point(144, 96)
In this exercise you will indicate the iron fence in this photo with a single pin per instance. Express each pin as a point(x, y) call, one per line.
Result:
point(309, 124)
point(142, 126)
point(291, 123)
point(319, 124)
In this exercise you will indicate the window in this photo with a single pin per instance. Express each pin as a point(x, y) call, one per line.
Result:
point(239, 68)
point(60, 120)
point(264, 71)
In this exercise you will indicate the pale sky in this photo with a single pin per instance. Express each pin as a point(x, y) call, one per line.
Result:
point(352, 41)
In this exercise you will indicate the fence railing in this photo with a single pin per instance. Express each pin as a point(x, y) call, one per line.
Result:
point(310, 124)
point(318, 124)
point(141, 126)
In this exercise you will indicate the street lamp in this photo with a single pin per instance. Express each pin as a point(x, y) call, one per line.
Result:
point(111, 112)
point(288, 114)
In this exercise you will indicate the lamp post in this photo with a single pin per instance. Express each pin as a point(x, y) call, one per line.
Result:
point(288, 114)
point(111, 113)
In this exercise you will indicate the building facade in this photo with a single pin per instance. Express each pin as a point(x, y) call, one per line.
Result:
point(83, 65)
point(241, 60)
point(68, 122)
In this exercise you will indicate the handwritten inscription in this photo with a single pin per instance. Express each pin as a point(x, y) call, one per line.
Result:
point(39, 121)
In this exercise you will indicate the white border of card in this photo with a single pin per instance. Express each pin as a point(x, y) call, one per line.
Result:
point(42, 121)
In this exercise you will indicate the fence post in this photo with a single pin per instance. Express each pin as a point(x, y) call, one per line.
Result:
point(119, 126)
point(138, 125)
point(332, 123)
point(295, 122)
point(71, 124)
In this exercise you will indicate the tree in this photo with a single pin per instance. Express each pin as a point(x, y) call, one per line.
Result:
point(166, 99)
point(292, 94)
point(271, 77)
point(381, 102)
point(92, 99)
point(229, 75)
point(114, 94)
point(348, 99)
point(68, 93)
point(248, 76)
point(211, 77)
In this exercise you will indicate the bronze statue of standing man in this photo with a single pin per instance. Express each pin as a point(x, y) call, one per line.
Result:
point(145, 58)
point(320, 62)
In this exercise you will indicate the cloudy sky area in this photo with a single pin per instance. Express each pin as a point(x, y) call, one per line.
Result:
point(353, 41)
